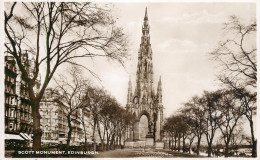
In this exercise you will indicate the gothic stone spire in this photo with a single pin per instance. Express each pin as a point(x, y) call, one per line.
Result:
point(129, 93)
point(159, 90)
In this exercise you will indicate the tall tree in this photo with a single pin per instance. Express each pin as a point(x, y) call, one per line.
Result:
point(231, 110)
point(55, 33)
point(196, 113)
point(98, 98)
point(169, 130)
point(190, 131)
point(210, 105)
point(237, 56)
point(71, 97)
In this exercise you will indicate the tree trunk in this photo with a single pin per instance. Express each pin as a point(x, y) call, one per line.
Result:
point(120, 140)
point(179, 142)
point(254, 150)
point(85, 138)
point(85, 133)
point(209, 148)
point(189, 147)
point(37, 132)
point(226, 150)
point(108, 139)
point(226, 145)
point(254, 153)
point(198, 145)
point(100, 136)
point(94, 137)
point(112, 144)
point(175, 142)
point(69, 132)
point(183, 143)
point(171, 144)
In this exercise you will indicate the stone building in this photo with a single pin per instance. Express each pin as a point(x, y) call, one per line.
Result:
point(144, 103)
point(18, 111)
point(77, 135)
point(53, 122)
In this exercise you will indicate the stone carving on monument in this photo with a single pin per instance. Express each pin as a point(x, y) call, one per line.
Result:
point(144, 103)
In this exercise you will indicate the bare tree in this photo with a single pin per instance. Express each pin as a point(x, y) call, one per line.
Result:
point(84, 121)
point(55, 33)
point(237, 56)
point(71, 97)
point(190, 131)
point(190, 136)
point(98, 98)
point(169, 129)
point(231, 110)
point(248, 99)
point(108, 116)
point(196, 113)
point(210, 105)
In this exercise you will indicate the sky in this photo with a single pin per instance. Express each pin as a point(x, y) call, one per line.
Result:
point(182, 36)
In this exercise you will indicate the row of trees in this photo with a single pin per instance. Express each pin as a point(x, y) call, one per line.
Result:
point(75, 95)
point(202, 116)
point(223, 109)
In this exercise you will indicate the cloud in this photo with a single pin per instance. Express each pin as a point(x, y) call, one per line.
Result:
point(196, 18)
point(182, 46)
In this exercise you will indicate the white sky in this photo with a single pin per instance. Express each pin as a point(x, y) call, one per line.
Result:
point(182, 35)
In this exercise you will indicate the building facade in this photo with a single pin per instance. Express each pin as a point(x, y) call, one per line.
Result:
point(144, 103)
point(18, 111)
point(51, 123)
point(54, 123)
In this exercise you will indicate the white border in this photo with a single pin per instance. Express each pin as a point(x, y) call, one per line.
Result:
point(118, 1)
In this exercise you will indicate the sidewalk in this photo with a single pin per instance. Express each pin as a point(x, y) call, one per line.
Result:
point(118, 153)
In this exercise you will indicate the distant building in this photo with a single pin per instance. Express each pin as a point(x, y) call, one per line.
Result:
point(86, 121)
point(77, 130)
point(63, 126)
point(52, 125)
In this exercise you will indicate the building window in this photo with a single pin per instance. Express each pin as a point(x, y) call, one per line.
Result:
point(11, 113)
point(6, 100)
point(11, 126)
point(12, 101)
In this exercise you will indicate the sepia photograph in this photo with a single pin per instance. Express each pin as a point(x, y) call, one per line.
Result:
point(129, 79)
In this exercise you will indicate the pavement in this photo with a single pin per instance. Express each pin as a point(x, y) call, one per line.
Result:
point(142, 153)
point(118, 153)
